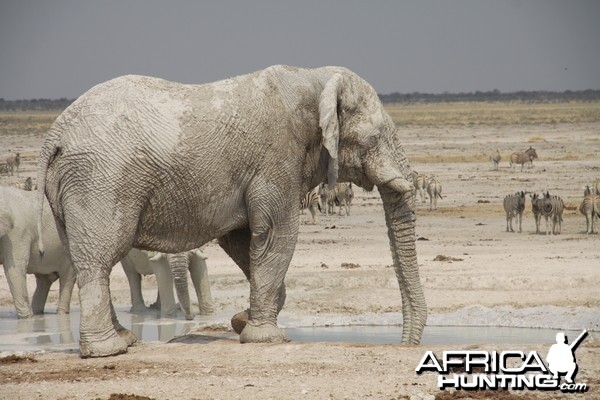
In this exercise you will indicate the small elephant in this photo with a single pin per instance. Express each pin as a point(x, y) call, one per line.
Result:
point(20, 256)
point(169, 268)
point(157, 165)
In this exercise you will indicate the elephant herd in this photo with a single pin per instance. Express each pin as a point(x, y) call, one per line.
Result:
point(144, 163)
point(20, 256)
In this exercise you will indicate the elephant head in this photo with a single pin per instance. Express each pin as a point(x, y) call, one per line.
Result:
point(363, 146)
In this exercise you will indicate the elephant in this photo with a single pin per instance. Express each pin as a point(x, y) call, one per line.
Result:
point(143, 162)
point(169, 268)
point(19, 254)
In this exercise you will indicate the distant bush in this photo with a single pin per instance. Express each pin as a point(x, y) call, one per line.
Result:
point(35, 104)
point(493, 96)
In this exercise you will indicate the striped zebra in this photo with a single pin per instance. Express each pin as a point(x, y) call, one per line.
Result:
point(434, 189)
point(514, 205)
point(590, 208)
point(495, 159)
point(328, 198)
point(311, 202)
point(552, 209)
point(26, 185)
point(420, 183)
point(521, 158)
point(344, 194)
point(536, 208)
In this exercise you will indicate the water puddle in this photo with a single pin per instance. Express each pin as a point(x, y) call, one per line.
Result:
point(53, 332)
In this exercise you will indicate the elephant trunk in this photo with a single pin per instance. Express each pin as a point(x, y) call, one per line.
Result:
point(179, 267)
point(400, 219)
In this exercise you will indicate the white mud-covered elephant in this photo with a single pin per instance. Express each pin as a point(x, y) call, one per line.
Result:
point(20, 256)
point(169, 269)
point(147, 163)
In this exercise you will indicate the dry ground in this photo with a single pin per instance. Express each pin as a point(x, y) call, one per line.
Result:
point(500, 278)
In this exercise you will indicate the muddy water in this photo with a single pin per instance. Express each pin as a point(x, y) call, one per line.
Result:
point(53, 332)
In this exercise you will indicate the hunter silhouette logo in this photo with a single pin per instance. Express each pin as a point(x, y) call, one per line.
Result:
point(561, 356)
point(508, 369)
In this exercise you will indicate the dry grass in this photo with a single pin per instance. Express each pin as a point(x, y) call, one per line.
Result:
point(482, 114)
point(26, 123)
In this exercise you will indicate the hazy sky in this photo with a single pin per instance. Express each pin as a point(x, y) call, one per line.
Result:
point(61, 48)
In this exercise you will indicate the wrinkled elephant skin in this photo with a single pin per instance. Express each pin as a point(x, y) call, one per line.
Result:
point(147, 163)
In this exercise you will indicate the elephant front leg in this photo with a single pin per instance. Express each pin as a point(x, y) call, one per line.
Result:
point(274, 234)
point(17, 283)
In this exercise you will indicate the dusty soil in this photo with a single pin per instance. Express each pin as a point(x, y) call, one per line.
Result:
point(341, 272)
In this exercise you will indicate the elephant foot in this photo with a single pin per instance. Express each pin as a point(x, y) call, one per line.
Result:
point(25, 315)
point(111, 346)
point(206, 309)
point(128, 336)
point(262, 333)
point(140, 309)
point(239, 321)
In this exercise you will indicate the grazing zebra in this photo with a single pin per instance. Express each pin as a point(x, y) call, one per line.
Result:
point(536, 208)
point(13, 161)
point(521, 158)
point(495, 159)
point(552, 208)
point(311, 201)
point(434, 189)
point(420, 182)
point(514, 205)
point(344, 194)
point(590, 208)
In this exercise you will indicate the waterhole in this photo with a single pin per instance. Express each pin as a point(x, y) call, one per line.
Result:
point(53, 332)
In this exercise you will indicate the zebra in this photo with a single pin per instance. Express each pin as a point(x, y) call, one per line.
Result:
point(434, 189)
point(26, 185)
point(514, 205)
point(590, 208)
point(328, 198)
point(552, 208)
point(13, 162)
point(310, 201)
point(495, 159)
point(344, 194)
point(420, 183)
point(536, 208)
point(521, 158)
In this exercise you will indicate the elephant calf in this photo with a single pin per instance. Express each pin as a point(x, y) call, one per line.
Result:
point(20, 256)
point(169, 269)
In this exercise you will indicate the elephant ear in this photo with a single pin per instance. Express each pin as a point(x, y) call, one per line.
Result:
point(330, 125)
point(6, 222)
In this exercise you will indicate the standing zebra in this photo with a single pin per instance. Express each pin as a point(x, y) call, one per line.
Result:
point(521, 158)
point(536, 208)
point(590, 208)
point(311, 201)
point(514, 205)
point(420, 182)
point(344, 194)
point(434, 189)
point(328, 198)
point(13, 161)
point(495, 158)
point(552, 208)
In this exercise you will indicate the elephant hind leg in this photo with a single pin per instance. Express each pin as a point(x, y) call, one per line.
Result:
point(94, 245)
point(237, 246)
point(42, 287)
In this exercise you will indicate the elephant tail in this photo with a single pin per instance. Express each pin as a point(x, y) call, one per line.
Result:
point(49, 151)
